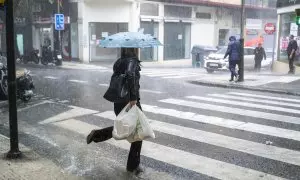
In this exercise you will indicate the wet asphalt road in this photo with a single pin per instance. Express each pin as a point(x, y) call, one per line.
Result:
point(200, 133)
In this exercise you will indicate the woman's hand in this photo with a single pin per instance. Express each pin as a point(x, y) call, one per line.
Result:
point(132, 103)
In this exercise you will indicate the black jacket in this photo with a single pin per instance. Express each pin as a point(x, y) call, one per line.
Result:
point(130, 66)
point(260, 54)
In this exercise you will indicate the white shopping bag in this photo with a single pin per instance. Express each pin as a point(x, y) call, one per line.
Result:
point(125, 123)
point(143, 129)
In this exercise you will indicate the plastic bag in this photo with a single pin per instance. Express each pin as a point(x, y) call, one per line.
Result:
point(125, 123)
point(143, 129)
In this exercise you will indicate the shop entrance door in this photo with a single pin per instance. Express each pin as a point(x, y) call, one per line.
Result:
point(177, 40)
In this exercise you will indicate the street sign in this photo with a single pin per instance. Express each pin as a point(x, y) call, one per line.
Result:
point(270, 28)
point(59, 22)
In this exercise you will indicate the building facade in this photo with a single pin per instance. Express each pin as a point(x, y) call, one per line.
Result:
point(178, 24)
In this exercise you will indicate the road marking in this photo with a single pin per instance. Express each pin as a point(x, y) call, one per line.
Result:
point(151, 91)
point(105, 85)
point(50, 77)
point(142, 90)
point(33, 105)
point(64, 101)
point(232, 110)
point(78, 81)
point(245, 104)
point(227, 123)
point(265, 97)
point(178, 77)
point(255, 100)
point(257, 149)
point(74, 112)
point(179, 158)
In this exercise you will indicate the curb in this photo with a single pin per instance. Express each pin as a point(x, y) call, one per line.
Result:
point(243, 87)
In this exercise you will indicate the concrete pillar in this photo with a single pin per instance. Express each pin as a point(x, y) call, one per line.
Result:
point(134, 23)
point(161, 33)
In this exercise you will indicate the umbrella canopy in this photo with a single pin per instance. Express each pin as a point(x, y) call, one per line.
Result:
point(129, 40)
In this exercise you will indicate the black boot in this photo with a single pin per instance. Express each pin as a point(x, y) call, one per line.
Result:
point(99, 135)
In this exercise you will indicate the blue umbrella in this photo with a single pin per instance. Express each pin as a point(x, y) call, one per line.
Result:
point(129, 40)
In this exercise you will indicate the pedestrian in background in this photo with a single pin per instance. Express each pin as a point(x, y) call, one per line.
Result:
point(291, 52)
point(234, 53)
point(128, 64)
point(259, 55)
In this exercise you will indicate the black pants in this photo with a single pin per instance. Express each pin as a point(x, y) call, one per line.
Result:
point(135, 149)
point(257, 65)
point(291, 64)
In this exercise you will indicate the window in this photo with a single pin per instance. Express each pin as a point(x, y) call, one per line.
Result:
point(203, 15)
point(148, 9)
point(178, 11)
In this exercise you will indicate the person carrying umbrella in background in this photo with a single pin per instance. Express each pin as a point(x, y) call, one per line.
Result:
point(259, 53)
point(129, 66)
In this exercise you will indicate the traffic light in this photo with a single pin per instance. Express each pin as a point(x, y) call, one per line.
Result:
point(297, 16)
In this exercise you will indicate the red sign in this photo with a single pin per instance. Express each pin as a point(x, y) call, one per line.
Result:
point(270, 28)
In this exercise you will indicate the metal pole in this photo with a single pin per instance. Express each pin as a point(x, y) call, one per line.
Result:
point(59, 35)
point(12, 98)
point(242, 39)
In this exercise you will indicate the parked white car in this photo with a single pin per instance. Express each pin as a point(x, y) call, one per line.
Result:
point(216, 61)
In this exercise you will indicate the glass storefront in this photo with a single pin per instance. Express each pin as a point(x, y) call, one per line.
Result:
point(150, 54)
point(287, 27)
point(97, 32)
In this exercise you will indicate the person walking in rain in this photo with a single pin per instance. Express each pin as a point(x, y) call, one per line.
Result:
point(259, 53)
point(291, 52)
point(128, 64)
point(233, 51)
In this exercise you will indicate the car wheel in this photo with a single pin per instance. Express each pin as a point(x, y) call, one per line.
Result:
point(209, 71)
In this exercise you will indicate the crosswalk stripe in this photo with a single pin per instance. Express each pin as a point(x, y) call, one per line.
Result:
point(50, 77)
point(227, 123)
point(155, 73)
point(72, 113)
point(265, 97)
point(257, 149)
point(245, 104)
point(162, 74)
point(183, 76)
point(78, 81)
point(232, 110)
point(179, 158)
point(255, 100)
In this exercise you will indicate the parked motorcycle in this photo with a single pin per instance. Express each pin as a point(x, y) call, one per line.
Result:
point(31, 56)
point(48, 56)
point(24, 84)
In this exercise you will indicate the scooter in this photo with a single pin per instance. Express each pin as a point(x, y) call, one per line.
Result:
point(51, 57)
point(24, 84)
point(31, 56)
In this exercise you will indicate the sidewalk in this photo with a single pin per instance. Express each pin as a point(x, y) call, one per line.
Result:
point(264, 82)
point(30, 167)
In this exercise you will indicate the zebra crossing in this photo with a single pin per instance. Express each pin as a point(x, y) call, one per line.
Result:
point(171, 73)
point(238, 113)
